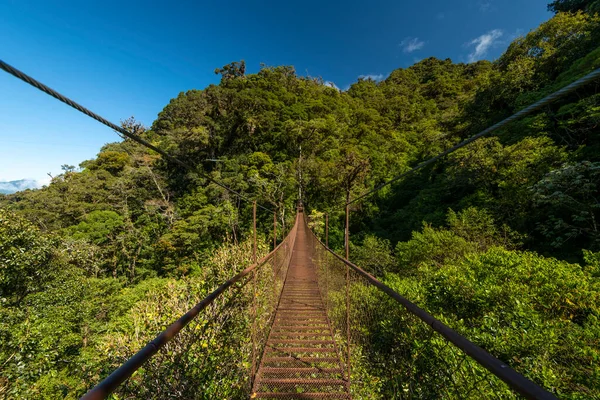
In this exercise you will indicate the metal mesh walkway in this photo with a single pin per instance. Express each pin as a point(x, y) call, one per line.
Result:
point(301, 360)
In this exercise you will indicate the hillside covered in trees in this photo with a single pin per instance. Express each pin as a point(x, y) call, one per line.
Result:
point(500, 240)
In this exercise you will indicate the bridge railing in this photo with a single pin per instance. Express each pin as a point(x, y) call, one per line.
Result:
point(391, 348)
point(213, 350)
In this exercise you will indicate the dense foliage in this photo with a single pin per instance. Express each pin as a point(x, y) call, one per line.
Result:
point(501, 239)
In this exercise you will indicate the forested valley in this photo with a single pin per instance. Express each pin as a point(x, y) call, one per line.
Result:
point(500, 240)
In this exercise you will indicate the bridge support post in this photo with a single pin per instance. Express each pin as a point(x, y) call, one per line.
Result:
point(347, 233)
point(326, 266)
point(347, 243)
point(253, 333)
point(275, 271)
point(254, 230)
point(327, 230)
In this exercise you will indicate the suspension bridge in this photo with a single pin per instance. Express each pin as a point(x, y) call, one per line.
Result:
point(309, 310)
point(314, 323)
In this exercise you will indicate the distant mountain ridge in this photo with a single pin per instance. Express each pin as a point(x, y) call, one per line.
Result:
point(17, 186)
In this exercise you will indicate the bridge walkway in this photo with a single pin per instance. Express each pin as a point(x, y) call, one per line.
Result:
point(301, 359)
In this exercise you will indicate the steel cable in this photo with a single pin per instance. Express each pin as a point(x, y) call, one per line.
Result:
point(524, 112)
point(38, 85)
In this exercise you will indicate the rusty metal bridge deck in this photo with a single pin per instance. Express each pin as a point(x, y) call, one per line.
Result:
point(301, 359)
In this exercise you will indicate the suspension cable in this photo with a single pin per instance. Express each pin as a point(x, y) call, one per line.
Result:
point(38, 85)
point(524, 112)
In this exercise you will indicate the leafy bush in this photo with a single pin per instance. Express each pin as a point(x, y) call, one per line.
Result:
point(28, 260)
point(374, 255)
point(539, 314)
point(569, 199)
point(469, 231)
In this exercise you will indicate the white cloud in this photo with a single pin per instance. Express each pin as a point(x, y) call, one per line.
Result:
point(17, 186)
point(374, 77)
point(331, 85)
point(411, 44)
point(45, 181)
point(485, 5)
point(516, 34)
point(483, 43)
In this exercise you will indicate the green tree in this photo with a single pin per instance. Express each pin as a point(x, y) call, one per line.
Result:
point(28, 260)
point(568, 198)
point(235, 69)
point(573, 5)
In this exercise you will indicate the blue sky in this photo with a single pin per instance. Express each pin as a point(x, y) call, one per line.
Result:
point(129, 58)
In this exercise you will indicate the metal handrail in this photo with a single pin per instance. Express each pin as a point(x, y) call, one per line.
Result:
point(121, 374)
point(512, 378)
